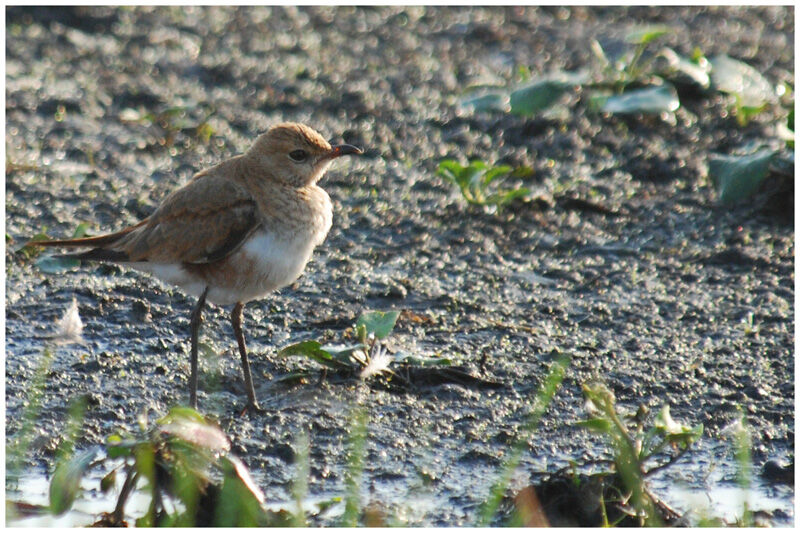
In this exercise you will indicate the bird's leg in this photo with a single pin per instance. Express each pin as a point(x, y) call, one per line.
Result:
point(196, 320)
point(236, 321)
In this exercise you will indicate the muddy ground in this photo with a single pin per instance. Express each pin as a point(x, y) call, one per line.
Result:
point(625, 262)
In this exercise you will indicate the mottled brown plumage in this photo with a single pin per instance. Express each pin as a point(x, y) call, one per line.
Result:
point(236, 231)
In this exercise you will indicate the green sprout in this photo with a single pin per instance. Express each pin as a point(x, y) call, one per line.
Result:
point(475, 182)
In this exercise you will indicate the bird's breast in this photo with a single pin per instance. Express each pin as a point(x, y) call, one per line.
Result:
point(266, 262)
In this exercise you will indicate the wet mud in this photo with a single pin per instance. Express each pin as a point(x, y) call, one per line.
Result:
point(623, 261)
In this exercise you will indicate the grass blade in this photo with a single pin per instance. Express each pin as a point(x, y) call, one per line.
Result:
point(355, 466)
point(15, 453)
point(541, 401)
point(300, 484)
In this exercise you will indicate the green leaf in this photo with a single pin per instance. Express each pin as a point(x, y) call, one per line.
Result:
point(522, 172)
point(117, 447)
point(199, 434)
point(81, 230)
point(52, 264)
point(66, 482)
point(785, 132)
point(598, 425)
point(646, 34)
point(486, 102)
point(738, 177)
point(495, 172)
point(472, 173)
point(346, 353)
point(312, 350)
point(180, 413)
point(240, 500)
point(422, 361)
point(108, 481)
point(506, 197)
point(379, 323)
point(732, 76)
point(449, 169)
point(648, 100)
point(361, 334)
point(303, 348)
point(26, 248)
point(540, 94)
point(697, 73)
point(666, 424)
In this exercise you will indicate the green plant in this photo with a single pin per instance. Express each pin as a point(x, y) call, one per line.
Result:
point(742, 446)
point(171, 121)
point(738, 177)
point(751, 92)
point(356, 444)
point(630, 66)
point(475, 181)
point(638, 452)
point(182, 459)
point(607, 82)
point(541, 401)
point(365, 357)
point(17, 445)
point(51, 264)
point(300, 484)
point(636, 80)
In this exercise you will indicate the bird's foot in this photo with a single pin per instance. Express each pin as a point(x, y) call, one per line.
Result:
point(253, 408)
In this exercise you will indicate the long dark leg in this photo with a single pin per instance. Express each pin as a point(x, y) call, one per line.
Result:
point(197, 319)
point(236, 320)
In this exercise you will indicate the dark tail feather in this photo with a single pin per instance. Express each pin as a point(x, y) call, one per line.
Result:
point(99, 254)
point(99, 241)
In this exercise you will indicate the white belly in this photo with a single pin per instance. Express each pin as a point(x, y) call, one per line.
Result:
point(264, 263)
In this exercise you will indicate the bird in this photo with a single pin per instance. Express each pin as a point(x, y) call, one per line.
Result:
point(234, 233)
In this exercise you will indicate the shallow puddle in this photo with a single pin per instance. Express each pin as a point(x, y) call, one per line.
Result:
point(415, 506)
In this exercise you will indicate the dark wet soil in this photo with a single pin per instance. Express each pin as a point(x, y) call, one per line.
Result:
point(627, 263)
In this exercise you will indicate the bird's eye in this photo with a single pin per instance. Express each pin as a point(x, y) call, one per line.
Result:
point(298, 156)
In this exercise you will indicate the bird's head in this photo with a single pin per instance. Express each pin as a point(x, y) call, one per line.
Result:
point(295, 154)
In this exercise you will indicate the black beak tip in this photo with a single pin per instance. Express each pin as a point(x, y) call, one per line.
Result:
point(346, 149)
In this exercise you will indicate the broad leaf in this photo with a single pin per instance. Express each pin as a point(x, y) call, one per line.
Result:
point(66, 482)
point(179, 413)
point(536, 97)
point(486, 102)
point(738, 177)
point(543, 92)
point(240, 500)
point(506, 197)
point(735, 77)
point(450, 170)
point(116, 446)
point(312, 350)
point(346, 353)
point(53, 264)
point(379, 323)
point(689, 69)
point(648, 100)
point(471, 175)
point(495, 172)
point(646, 34)
point(202, 435)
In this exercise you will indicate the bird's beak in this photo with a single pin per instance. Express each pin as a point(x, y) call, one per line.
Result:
point(343, 149)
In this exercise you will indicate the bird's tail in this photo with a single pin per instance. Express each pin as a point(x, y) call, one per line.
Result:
point(99, 244)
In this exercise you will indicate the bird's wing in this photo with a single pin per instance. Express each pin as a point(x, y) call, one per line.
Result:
point(202, 222)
